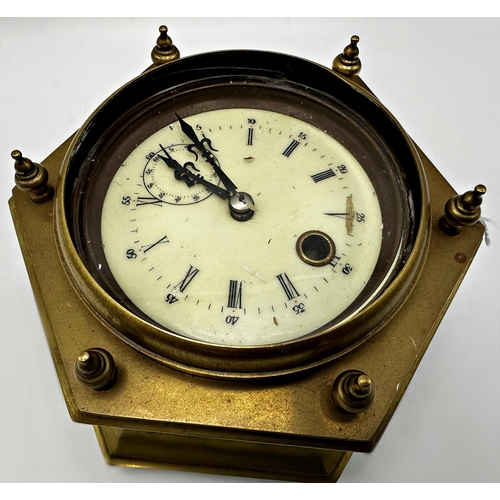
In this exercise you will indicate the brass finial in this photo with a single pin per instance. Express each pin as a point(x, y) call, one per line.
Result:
point(462, 210)
point(164, 51)
point(32, 177)
point(353, 391)
point(348, 63)
point(95, 368)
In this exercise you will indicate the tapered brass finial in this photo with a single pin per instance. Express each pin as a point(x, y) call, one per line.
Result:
point(95, 368)
point(348, 63)
point(462, 210)
point(32, 177)
point(353, 391)
point(164, 51)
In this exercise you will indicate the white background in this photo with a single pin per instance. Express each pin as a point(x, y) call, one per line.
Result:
point(439, 77)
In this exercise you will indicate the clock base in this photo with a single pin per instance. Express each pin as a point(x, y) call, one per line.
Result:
point(193, 453)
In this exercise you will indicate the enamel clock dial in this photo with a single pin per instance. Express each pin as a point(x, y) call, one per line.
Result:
point(242, 214)
point(178, 254)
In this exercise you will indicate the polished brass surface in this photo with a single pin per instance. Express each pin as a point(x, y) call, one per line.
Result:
point(32, 177)
point(463, 210)
point(348, 63)
point(164, 51)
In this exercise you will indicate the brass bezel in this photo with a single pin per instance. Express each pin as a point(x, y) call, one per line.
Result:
point(254, 362)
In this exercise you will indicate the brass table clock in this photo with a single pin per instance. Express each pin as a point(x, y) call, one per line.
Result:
point(234, 250)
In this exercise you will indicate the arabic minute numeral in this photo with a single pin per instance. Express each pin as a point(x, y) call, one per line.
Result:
point(231, 320)
point(171, 298)
point(131, 254)
point(347, 269)
point(299, 308)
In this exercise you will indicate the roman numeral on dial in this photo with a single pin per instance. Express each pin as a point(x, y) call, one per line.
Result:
point(250, 137)
point(321, 176)
point(288, 287)
point(147, 248)
point(291, 148)
point(142, 200)
point(183, 284)
point(234, 295)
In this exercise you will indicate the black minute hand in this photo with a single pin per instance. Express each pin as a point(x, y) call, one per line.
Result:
point(209, 157)
point(197, 178)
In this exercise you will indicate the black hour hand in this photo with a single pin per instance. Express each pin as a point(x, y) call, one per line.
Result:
point(182, 170)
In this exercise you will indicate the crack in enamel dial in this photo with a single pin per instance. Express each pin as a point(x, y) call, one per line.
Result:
point(180, 257)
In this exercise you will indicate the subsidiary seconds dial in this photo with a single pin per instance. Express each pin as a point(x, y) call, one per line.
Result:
point(301, 259)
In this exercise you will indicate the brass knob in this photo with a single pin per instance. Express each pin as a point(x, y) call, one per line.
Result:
point(353, 391)
point(95, 368)
point(462, 210)
point(348, 63)
point(164, 51)
point(32, 177)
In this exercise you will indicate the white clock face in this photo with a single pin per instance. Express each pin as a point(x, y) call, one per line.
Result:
point(180, 257)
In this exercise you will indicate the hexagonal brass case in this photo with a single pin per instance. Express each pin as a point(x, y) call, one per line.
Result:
point(285, 427)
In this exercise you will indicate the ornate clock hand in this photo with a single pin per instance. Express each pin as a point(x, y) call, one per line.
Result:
point(207, 155)
point(196, 178)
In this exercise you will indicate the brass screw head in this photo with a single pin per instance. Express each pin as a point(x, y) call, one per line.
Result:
point(353, 391)
point(95, 368)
